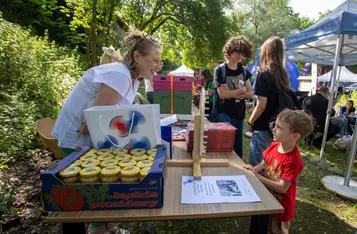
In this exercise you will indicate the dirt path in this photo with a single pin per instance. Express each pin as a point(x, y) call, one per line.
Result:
point(27, 215)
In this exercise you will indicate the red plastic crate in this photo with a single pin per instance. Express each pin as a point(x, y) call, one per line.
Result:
point(221, 137)
point(181, 83)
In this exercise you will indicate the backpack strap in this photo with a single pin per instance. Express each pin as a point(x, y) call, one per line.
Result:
point(223, 69)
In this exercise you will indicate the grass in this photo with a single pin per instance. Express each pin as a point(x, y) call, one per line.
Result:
point(317, 211)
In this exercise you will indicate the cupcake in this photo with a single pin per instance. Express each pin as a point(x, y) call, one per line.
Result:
point(104, 157)
point(144, 163)
point(127, 163)
point(90, 174)
point(90, 163)
point(137, 151)
point(120, 151)
point(122, 157)
point(139, 157)
point(130, 174)
point(70, 174)
point(110, 174)
point(109, 163)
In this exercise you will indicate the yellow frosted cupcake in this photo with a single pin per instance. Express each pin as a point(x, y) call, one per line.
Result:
point(90, 174)
point(120, 151)
point(122, 157)
point(144, 163)
point(88, 156)
point(70, 171)
point(104, 151)
point(139, 157)
point(90, 163)
point(144, 172)
point(152, 151)
point(76, 163)
point(110, 174)
point(92, 151)
point(152, 158)
point(130, 174)
point(137, 151)
point(127, 163)
point(109, 163)
point(70, 180)
point(104, 157)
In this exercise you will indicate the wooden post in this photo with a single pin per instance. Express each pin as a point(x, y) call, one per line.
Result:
point(196, 148)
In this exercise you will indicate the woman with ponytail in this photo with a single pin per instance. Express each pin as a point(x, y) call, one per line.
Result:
point(110, 84)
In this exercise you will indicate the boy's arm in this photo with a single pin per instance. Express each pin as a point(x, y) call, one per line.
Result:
point(280, 187)
point(225, 93)
point(247, 94)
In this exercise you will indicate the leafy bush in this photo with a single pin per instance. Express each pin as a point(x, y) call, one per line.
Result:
point(36, 77)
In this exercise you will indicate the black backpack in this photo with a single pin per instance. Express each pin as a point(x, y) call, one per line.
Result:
point(285, 100)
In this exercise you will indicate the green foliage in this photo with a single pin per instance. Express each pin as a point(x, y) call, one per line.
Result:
point(260, 19)
point(192, 32)
point(6, 197)
point(36, 77)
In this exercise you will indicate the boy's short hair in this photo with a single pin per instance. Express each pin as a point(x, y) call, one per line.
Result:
point(299, 121)
point(238, 44)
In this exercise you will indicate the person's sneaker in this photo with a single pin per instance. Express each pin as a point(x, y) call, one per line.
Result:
point(338, 135)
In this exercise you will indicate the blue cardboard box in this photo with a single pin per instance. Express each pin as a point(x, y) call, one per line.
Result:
point(146, 194)
point(166, 136)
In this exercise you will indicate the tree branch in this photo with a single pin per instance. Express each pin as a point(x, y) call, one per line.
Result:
point(154, 16)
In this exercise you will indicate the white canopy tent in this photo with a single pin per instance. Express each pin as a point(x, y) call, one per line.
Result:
point(345, 76)
point(182, 71)
point(331, 41)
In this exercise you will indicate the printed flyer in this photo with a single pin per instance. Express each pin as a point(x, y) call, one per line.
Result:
point(217, 189)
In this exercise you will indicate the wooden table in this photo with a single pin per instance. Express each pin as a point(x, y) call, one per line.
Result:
point(173, 209)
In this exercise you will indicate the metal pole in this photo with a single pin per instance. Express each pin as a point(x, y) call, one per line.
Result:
point(338, 80)
point(351, 158)
point(328, 112)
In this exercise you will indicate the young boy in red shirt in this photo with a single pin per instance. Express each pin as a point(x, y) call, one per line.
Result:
point(282, 166)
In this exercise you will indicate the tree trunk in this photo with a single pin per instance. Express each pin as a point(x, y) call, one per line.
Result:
point(92, 36)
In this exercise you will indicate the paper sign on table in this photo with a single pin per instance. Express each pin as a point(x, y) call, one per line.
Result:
point(217, 189)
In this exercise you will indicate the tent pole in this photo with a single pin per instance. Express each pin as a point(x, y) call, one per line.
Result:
point(338, 80)
point(351, 158)
point(328, 112)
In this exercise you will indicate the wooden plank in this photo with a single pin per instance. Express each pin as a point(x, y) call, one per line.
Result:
point(196, 138)
point(172, 208)
point(196, 169)
point(203, 163)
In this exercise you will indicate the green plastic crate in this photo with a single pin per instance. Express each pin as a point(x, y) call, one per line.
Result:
point(182, 101)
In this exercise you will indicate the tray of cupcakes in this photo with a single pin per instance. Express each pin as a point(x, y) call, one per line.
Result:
point(91, 179)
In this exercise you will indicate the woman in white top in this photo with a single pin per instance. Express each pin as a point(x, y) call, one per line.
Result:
point(109, 84)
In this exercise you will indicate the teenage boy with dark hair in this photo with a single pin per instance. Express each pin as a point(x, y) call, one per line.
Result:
point(232, 83)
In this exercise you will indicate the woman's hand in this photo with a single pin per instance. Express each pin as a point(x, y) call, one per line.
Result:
point(83, 129)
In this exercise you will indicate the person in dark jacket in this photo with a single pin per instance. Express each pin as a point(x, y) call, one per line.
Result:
point(317, 105)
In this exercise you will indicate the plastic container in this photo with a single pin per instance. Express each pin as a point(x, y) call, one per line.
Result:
point(180, 83)
point(182, 101)
point(221, 137)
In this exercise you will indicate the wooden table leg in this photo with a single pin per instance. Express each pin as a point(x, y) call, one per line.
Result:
point(78, 228)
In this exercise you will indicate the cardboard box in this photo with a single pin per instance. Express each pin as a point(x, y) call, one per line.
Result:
point(146, 194)
point(221, 137)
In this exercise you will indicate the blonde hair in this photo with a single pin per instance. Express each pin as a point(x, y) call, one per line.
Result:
point(299, 121)
point(137, 41)
point(271, 59)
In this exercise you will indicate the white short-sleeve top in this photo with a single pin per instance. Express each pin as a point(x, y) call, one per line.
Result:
point(115, 75)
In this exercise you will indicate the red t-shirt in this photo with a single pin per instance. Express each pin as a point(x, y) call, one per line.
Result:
point(283, 167)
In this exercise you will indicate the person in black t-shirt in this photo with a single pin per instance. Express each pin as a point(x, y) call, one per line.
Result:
point(271, 78)
point(234, 87)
